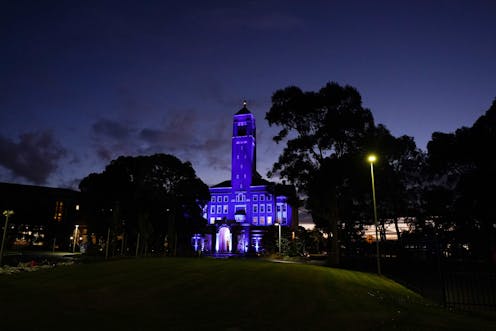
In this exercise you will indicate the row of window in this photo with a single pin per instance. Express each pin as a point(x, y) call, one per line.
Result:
point(224, 209)
point(241, 197)
point(262, 209)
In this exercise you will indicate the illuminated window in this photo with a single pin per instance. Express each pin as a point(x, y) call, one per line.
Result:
point(255, 220)
point(237, 156)
point(212, 209)
point(255, 208)
point(219, 209)
point(262, 208)
point(59, 210)
point(225, 209)
point(269, 220)
point(269, 208)
point(262, 220)
point(212, 220)
point(212, 199)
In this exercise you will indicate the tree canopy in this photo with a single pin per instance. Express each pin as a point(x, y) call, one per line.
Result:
point(147, 195)
point(328, 134)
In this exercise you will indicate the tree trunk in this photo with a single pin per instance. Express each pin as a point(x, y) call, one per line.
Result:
point(334, 253)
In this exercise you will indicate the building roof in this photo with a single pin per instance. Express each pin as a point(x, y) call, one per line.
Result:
point(244, 110)
point(256, 180)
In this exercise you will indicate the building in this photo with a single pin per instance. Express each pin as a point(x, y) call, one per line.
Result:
point(242, 208)
point(43, 216)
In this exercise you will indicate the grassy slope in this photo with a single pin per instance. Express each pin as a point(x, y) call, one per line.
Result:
point(205, 294)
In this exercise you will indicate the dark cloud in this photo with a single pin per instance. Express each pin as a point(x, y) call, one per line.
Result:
point(112, 129)
point(35, 157)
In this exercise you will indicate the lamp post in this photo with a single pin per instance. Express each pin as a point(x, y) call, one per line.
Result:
point(75, 238)
point(372, 158)
point(279, 226)
point(6, 213)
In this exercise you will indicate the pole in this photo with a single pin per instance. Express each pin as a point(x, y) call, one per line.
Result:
point(75, 238)
point(107, 244)
point(375, 221)
point(6, 213)
point(137, 244)
point(279, 238)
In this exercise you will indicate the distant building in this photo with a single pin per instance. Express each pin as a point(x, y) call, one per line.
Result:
point(43, 216)
point(241, 209)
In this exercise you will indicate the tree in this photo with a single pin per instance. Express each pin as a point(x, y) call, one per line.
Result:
point(328, 135)
point(321, 128)
point(152, 196)
point(463, 169)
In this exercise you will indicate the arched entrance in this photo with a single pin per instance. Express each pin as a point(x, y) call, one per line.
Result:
point(224, 240)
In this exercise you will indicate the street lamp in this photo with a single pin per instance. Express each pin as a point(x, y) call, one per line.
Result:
point(6, 213)
point(279, 226)
point(372, 158)
point(75, 238)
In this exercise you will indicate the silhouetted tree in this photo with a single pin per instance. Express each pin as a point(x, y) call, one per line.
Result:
point(463, 181)
point(321, 129)
point(156, 196)
point(328, 135)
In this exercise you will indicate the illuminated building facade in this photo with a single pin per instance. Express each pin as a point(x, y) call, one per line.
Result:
point(241, 209)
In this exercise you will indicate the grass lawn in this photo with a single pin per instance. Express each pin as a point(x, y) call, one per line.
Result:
point(208, 294)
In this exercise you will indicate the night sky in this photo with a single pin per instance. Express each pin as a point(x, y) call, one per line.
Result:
point(83, 82)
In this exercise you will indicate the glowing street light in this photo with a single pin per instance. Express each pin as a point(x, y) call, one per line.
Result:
point(279, 226)
point(372, 158)
point(6, 213)
point(75, 238)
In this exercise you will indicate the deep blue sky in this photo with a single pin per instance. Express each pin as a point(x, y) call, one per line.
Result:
point(82, 82)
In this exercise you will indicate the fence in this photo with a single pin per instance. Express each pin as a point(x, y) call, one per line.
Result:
point(470, 290)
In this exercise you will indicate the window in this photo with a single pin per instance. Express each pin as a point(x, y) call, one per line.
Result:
point(219, 199)
point(240, 197)
point(212, 199)
point(269, 208)
point(269, 197)
point(269, 220)
point(219, 209)
point(255, 197)
point(225, 209)
point(212, 220)
point(262, 197)
point(278, 208)
point(262, 208)
point(226, 198)
point(241, 165)
point(244, 176)
point(237, 176)
point(255, 220)
point(237, 156)
point(284, 207)
point(212, 209)
point(262, 220)
point(242, 130)
point(255, 208)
